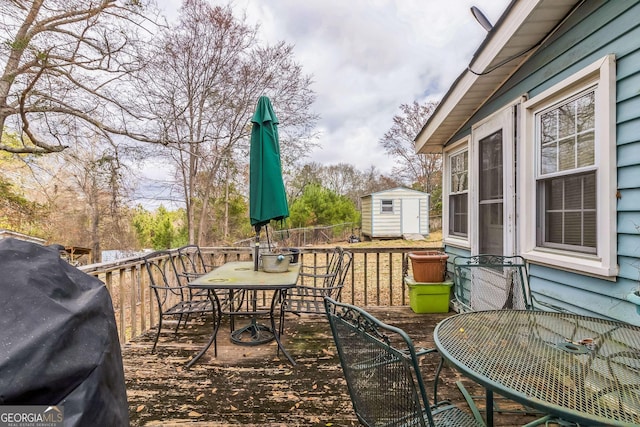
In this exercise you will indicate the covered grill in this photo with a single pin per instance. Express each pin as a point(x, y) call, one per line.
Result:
point(58, 338)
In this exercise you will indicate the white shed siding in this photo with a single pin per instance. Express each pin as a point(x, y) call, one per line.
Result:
point(386, 224)
point(376, 223)
point(424, 215)
point(366, 214)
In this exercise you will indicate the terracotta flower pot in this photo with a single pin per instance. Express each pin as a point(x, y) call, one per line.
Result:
point(428, 266)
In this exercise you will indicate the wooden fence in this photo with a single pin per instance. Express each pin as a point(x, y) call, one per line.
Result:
point(375, 279)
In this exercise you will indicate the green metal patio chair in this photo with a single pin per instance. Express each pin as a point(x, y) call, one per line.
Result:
point(490, 282)
point(383, 376)
point(193, 265)
point(494, 282)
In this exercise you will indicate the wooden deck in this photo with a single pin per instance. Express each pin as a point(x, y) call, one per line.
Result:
point(251, 386)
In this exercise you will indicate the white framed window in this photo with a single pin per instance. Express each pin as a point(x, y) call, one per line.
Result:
point(386, 206)
point(459, 194)
point(568, 204)
point(566, 174)
point(456, 194)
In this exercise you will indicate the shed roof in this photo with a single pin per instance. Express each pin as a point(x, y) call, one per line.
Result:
point(521, 29)
point(406, 189)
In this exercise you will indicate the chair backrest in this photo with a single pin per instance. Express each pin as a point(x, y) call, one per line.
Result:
point(163, 278)
point(333, 267)
point(380, 365)
point(341, 277)
point(191, 260)
point(491, 282)
point(324, 275)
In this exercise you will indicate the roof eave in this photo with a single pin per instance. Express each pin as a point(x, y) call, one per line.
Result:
point(520, 28)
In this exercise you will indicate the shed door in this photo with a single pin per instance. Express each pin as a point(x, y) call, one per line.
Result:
point(410, 216)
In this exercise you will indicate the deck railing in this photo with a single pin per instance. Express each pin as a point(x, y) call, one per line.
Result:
point(375, 278)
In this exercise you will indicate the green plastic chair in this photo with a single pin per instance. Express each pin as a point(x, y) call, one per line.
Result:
point(381, 367)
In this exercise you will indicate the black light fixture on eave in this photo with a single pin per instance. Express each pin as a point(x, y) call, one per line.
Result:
point(482, 20)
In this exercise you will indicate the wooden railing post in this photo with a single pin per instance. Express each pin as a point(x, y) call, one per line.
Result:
point(134, 302)
point(123, 311)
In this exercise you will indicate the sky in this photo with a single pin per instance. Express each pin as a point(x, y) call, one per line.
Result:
point(368, 57)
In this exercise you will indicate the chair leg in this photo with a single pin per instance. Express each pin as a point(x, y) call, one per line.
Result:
point(178, 325)
point(216, 319)
point(470, 402)
point(186, 319)
point(435, 381)
point(283, 311)
point(155, 342)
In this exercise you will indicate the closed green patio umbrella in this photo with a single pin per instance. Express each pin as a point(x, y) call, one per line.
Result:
point(267, 196)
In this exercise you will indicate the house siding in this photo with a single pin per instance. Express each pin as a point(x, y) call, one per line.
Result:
point(596, 29)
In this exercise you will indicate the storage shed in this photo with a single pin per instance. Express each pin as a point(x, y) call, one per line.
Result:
point(393, 213)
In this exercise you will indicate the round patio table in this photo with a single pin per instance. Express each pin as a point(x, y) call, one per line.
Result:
point(579, 368)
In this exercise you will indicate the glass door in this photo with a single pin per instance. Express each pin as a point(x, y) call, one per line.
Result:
point(490, 195)
point(494, 214)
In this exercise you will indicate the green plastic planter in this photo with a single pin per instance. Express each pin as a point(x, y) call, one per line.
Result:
point(429, 297)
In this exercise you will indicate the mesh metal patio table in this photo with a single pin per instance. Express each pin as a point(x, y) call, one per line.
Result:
point(578, 368)
point(239, 275)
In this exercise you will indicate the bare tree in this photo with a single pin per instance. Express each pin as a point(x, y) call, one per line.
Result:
point(202, 86)
point(85, 188)
point(64, 69)
point(421, 169)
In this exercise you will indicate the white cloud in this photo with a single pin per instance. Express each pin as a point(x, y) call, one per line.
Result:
point(367, 58)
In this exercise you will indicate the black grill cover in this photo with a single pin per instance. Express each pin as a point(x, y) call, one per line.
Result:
point(58, 338)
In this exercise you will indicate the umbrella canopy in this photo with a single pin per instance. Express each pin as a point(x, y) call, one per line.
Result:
point(267, 197)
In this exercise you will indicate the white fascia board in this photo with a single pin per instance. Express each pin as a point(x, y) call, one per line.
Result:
point(488, 53)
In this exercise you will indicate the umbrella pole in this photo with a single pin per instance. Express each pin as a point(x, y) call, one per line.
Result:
point(256, 250)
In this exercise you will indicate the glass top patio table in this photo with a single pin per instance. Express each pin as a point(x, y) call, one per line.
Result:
point(579, 368)
point(241, 275)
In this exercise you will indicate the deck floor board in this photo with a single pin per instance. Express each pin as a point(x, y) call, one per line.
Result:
point(252, 386)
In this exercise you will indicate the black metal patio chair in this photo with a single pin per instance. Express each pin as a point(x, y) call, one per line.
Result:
point(383, 376)
point(193, 265)
point(192, 261)
point(318, 282)
point(174, 298)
